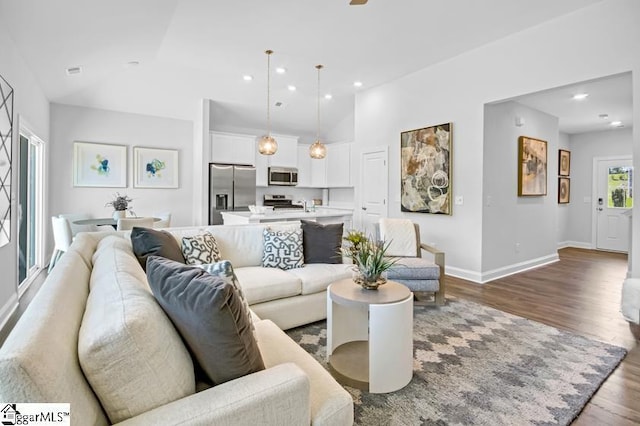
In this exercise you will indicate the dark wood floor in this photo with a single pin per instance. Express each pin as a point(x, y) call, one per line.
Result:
point(581, 293)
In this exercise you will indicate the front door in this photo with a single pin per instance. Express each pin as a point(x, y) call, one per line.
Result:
point(614, 199)
point(374, 184)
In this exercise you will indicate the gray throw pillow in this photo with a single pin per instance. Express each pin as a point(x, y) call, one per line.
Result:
point(210, 317)
point(224, 270)
point(321, 242)
point(282, 249)
point(149, 242)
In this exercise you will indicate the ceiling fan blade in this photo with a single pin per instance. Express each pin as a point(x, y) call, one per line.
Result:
point(357, 2)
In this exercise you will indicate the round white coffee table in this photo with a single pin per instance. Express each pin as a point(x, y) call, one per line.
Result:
point(370, 335)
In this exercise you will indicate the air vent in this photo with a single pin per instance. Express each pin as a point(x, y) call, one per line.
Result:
point(74, 70)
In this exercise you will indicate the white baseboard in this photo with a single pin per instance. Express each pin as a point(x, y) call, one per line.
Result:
point(575, 244)
point(464, 274)
point(504, 271)
point(7, 310)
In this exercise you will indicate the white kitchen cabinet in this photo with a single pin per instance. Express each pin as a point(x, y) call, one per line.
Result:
point(312, 173)
point(318, 172)
point(233, 148)
point(304, 166)
point(262, 168)
point(338, 169)
point(287, 153)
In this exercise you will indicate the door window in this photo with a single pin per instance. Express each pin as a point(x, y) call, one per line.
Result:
point(620, 187)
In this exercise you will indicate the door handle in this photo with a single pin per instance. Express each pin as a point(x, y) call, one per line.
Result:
point(364, 208)
point(599, 209)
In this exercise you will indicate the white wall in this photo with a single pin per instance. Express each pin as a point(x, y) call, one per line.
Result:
point(584, 147)
point(564, 218)
point(516, 231)
point(31, 107)
point(553, 54)
point(70, 123)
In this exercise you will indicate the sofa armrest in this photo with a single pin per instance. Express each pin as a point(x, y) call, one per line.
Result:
point(438, 259)
point(275, 396)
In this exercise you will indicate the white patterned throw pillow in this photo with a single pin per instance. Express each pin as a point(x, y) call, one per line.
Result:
point(200, 249)
point(282, 249)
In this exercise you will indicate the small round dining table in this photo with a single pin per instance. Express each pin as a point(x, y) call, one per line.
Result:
point(102, 221)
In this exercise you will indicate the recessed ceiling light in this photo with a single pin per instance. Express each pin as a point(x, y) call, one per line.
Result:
point(328, 96)
point(357, 83)
point(616, 124)
point(74, 70)
point(603, 116)
point(281, 70)
point(247, 77)
point(580, 96)
point(291, 88)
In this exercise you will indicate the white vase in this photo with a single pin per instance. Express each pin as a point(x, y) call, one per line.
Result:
point(119, 214)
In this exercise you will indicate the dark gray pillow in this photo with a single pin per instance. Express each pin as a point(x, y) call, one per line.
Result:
point(210, 317)
point(149, 242)
point(321, 243)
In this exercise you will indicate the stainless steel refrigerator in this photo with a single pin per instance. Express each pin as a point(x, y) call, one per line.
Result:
point(231, 188)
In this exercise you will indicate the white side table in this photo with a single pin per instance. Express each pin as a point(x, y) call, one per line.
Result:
point(370, 335)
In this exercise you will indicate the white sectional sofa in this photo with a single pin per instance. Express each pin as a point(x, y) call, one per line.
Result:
point(152, 382)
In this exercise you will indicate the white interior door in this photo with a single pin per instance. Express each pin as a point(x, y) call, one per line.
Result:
point(375, 187)
point(614, 198)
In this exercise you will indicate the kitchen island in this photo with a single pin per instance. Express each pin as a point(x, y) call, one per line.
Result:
point(320, 215)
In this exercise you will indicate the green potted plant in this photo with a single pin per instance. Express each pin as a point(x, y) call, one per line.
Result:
point(120, 206)
point(370, 263)
point(354, 239)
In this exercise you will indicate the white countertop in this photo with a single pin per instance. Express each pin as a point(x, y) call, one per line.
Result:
point(292, 214)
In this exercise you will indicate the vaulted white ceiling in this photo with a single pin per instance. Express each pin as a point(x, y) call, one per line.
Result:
point(194, 49)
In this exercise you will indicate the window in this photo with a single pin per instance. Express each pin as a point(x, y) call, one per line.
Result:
point(620, 187)
point(30, 206)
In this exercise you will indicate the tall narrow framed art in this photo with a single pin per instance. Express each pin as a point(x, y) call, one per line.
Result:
point(532, 167)
point(426, 169)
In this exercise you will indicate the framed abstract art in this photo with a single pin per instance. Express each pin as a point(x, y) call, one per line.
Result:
point(426, 172)
point(155, 168)
point(532, 167)
point(99, 165)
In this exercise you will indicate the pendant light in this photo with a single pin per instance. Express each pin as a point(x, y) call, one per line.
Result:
point(267, 145)
point(317, 149)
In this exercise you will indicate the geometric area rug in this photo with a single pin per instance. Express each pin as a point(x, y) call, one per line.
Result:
point(475, 365)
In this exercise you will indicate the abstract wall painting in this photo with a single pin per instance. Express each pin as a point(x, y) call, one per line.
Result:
point(99, 165)
point(564, 190)
point(532, 167)
point(564, 162)
point(155, 168)
point(426, 173)
point(6, 137)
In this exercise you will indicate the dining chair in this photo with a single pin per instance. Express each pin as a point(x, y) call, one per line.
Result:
point(75, 228)
point(127, 223)
point(62, 238)
point(165, 220)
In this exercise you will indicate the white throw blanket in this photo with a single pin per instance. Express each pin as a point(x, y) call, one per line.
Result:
point(401, 235)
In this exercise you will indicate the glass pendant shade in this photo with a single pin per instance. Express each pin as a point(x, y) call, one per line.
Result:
point(318, 150)
point(267, 145)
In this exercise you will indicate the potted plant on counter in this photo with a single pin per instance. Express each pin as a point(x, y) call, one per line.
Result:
point(120, 206)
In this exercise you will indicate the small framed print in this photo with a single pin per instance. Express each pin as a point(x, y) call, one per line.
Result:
point(564, 162)
point(99, 165)
point(155, 168)
point(564, 190)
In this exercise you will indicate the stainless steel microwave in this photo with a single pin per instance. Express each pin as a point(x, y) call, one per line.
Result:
point(283, 176)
